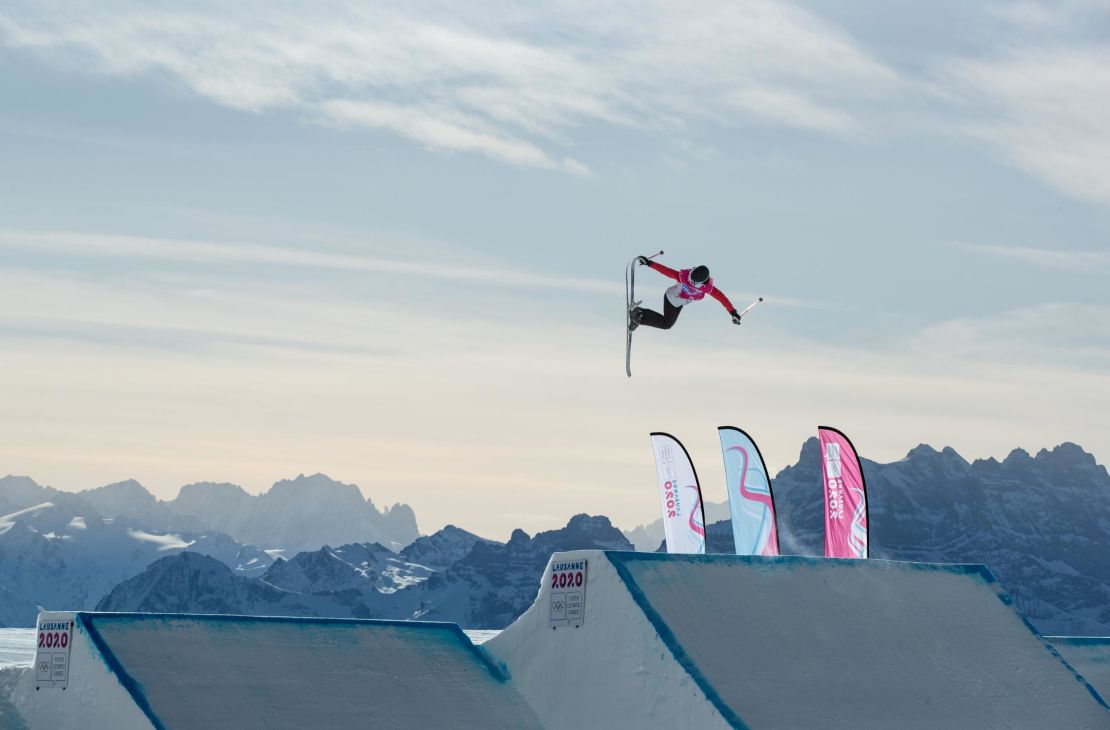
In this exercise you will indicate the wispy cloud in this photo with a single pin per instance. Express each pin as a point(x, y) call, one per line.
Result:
point(132, 249)
point(509, 81)
point(1074, 334)
point(1042, 102)
point(437, 131)
point(791, 109)
point(1092, 262)
point(139, 248)
point(1036, 16)
point(161, 336)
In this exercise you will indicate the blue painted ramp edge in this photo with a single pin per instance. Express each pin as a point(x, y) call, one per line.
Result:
point(619, 561)
point(89, 621)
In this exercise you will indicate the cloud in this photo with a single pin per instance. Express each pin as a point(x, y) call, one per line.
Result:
point(784, 107)
point(512, 82)
point(490, 276)
point(1046, 110)
point(1091, 262)
point(140, 247)
point(1059, 333)
point(437, 132)
point(1034, 16)
point(78, 327)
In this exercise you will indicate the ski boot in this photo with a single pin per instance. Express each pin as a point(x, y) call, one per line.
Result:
point(634, 316)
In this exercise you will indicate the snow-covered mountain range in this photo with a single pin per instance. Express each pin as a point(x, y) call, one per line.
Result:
point(488, 587)
point(295, 514)
point(62, 552)
point(62, 549)
point(298, 514)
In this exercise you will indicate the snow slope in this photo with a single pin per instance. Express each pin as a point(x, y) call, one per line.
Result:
point(17, 647)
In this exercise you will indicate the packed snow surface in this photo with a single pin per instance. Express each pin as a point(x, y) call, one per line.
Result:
point(181, 671)
point(481, 636)
point(17, 648)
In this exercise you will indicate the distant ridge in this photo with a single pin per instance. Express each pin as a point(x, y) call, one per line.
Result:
point(65, 550)
point(294, 514)
point(298, 514)
point(487, 587)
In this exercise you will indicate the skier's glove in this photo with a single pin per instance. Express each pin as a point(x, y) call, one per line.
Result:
point(643, 261)
point(736, 319)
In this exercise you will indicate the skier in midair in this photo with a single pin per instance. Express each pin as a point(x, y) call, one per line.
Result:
point(691, 285)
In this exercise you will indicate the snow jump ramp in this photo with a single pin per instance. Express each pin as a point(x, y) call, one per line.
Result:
point(651, 640)
point(176, 672)
point(614, 640)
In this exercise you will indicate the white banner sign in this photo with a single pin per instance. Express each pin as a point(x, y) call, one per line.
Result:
point(683, 514)
point(55, 634)
point(568, 593)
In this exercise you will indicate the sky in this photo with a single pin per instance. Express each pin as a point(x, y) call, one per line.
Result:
point(386, 241)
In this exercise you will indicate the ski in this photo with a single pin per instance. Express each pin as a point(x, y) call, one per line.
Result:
point(630, 304)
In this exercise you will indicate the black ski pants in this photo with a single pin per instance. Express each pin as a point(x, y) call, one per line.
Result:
point(662, 321)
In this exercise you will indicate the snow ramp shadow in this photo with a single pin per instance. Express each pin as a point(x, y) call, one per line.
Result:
point(717, 641)
point(173, 672)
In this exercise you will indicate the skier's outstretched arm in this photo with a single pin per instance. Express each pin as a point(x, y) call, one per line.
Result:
point(664, 270)
point(720, 297)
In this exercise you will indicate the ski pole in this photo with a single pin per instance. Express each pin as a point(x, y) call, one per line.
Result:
point(654, 255)
point(749, 307)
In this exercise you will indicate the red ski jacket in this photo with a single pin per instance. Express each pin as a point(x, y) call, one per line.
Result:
point(687, 291)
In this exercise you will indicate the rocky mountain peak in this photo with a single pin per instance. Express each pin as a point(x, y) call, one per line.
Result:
point(810, 455)
point(120, 497)
point(1067, 456)
point(204, 489)
point(315, 486)
point(19, 491)
point(1017, 456)
point(809, 460)
point(922, 451)
point(951, 454)
point(441, 549)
